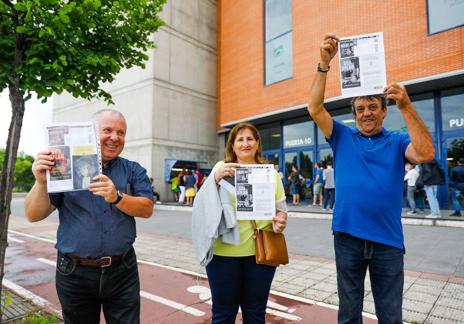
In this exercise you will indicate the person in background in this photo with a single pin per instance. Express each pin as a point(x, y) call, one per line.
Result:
point(281, 174)
point(175, 188)
point(96, 265)
point(329, 186)
point(295, 184)
point(156, 195)
point(457, 177)
point(233, 275)
point(317, 185)
point(181, 183)
point(190, 191)
point(411, 177)
point(369, 172)
point(199, 176)
point(432, 175)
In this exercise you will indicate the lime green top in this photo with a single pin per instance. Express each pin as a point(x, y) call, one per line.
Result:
point(247, 244)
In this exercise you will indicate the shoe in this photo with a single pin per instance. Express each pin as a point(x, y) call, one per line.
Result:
point(456, 213)
point(432, 216)
point(411, 213)
point(324, 208)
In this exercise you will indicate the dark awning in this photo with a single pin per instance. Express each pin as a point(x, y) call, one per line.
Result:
point(171, 164)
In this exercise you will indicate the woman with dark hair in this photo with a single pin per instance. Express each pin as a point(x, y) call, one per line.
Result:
point(234, 277)
point(295, 184)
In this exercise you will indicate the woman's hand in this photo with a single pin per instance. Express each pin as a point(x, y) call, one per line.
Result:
point(279, 222)
point(227, 169)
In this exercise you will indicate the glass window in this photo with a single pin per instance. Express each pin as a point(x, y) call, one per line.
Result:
point(300, 134)
point(346, 119)
point(270, 137)
point(394, 121)
point(278, 40)
point(452, 108)
point(290, 159)
point(326, 156)
point(454, 150)
point(444, 14)
point(272, 159)
point(306, 164)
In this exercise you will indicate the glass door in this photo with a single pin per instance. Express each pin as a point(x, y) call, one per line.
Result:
point(454, 151)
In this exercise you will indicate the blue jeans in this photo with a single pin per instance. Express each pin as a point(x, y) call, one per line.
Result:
point(456, 203)
point(84, 290)
point(431, 192)
point(411, 200)
point(239, 281)
point(353, 256)
point(329, 197)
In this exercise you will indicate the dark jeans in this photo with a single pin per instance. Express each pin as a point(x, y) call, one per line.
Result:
point(84, 290)
point(329, 197)
point(239, 281)
point(353, 256)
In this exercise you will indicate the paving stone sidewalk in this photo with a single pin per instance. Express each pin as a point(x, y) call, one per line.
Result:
point(428, 298)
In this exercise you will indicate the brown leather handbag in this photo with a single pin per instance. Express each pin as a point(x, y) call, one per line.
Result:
point(271, 248)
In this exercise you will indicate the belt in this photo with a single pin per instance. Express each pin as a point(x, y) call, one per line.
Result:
point(102, 262)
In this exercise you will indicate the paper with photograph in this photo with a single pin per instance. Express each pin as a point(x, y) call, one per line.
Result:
point(362, 65)
point(255, 191)
point(76, 150)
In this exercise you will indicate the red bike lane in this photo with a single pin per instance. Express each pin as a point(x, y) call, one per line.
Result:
point(168, 295)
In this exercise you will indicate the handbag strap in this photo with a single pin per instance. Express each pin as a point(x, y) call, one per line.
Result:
point(255, 229)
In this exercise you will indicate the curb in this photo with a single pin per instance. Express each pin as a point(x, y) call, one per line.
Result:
point(405, 220)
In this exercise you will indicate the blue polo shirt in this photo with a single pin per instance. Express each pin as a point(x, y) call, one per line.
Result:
point(369, 173)
point(92, 228)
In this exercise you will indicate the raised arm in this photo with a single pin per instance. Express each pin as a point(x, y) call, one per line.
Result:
point(421, 148)
point(37, 203)
point(319, 114)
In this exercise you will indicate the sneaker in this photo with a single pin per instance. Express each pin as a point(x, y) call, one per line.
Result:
point(456, 213)
point(432, 216)
point(324, 208)
point(411, 213)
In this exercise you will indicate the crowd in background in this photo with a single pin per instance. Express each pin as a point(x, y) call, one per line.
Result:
point(421, 184)
point(186, 184)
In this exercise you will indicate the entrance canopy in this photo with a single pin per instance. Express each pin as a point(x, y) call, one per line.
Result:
point(178, 165)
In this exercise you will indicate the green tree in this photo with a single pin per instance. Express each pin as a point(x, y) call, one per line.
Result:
point(50, 46)
point(23, 179)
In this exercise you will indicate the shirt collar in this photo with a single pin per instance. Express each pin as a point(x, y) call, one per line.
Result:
point(111, 163)
point(383, 132)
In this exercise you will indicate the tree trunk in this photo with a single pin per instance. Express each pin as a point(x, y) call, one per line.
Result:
point(6, 181)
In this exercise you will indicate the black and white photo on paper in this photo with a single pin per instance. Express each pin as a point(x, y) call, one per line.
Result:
point(242, 175)
point(347, 48)
point(244, 197)
point(350, 72)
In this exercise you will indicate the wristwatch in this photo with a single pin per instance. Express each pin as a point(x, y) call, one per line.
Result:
point(323, 70)
point(118, 198)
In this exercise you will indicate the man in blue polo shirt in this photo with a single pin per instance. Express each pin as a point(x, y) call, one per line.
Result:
point(96, 264)
point(369, 170)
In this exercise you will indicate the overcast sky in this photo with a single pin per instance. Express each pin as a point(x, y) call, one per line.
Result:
point(36, 116)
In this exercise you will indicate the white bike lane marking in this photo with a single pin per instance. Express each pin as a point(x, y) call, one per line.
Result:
point(152, 297)
point(273, 308)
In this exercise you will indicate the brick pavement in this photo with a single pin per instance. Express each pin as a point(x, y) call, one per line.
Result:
point(428, 298)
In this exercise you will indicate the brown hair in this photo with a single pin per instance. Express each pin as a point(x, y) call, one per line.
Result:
point(230, 154)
